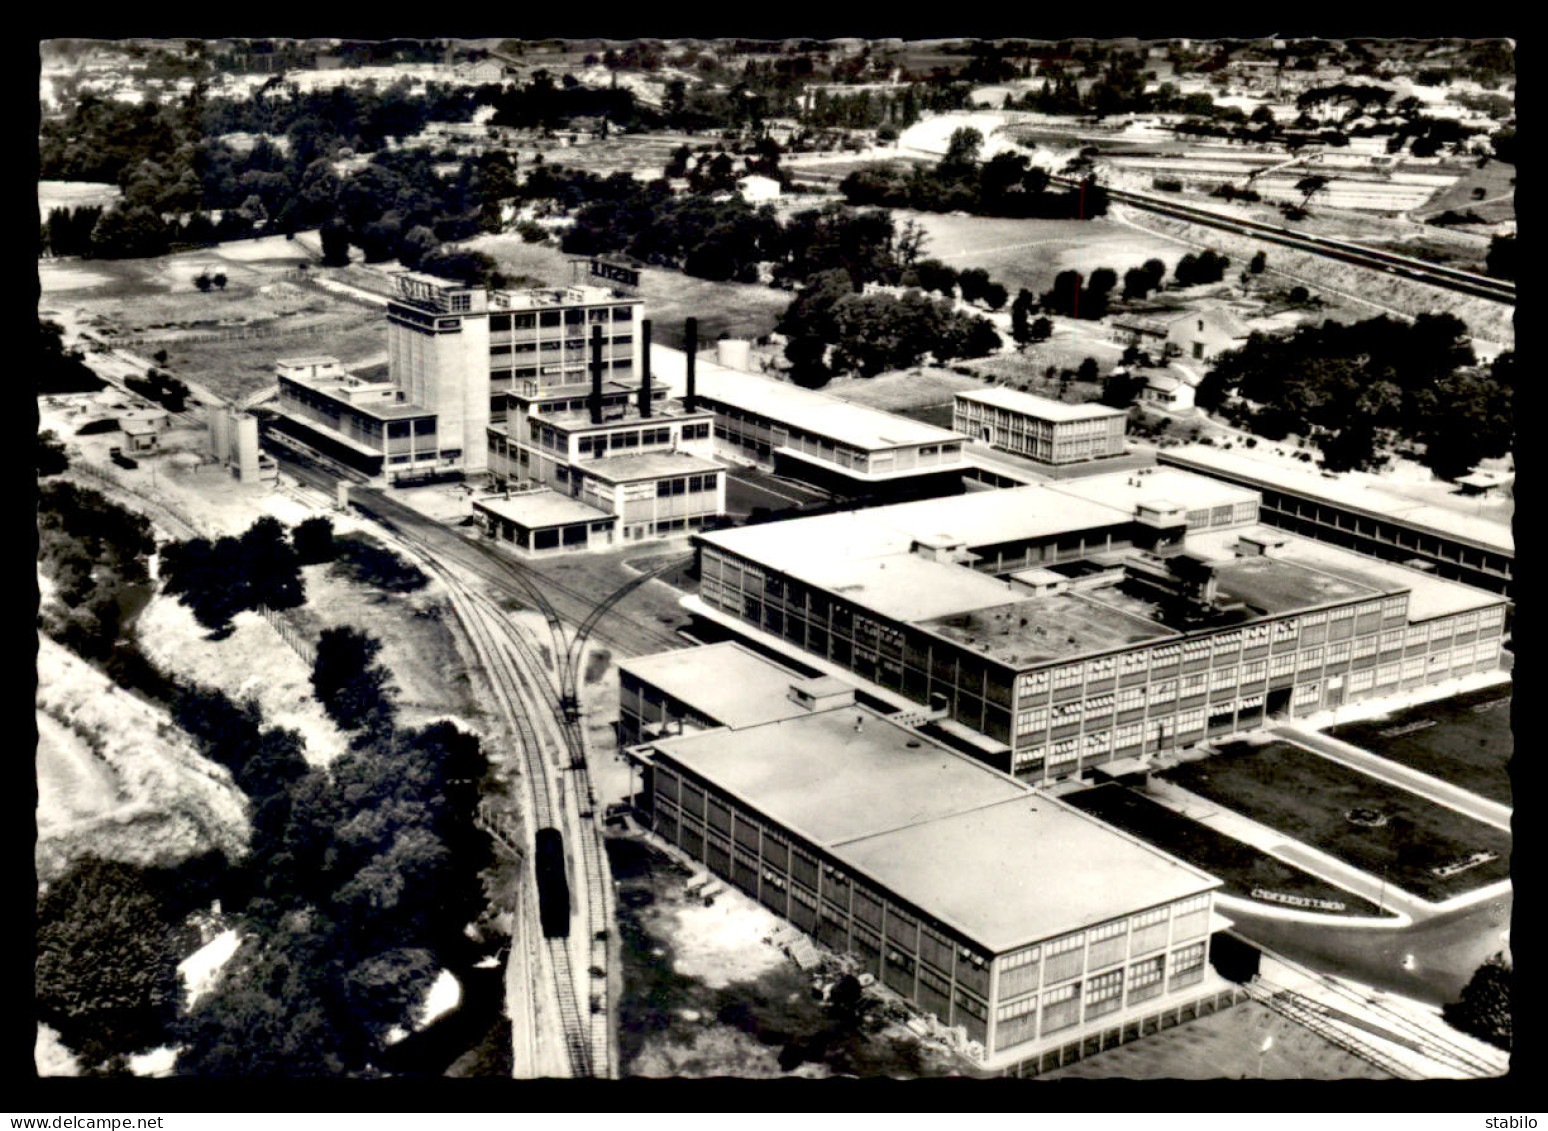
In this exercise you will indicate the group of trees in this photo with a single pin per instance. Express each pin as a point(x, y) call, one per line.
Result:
point(359, 882)
point(219, 579)
point(1196, 270)
point(60, 370)
point(1363, 388)
point(94, 551)
point(162, 388)
point(833, 327)
point(1006, 185)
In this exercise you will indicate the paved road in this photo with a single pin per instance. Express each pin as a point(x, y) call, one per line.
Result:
point(1406, 777)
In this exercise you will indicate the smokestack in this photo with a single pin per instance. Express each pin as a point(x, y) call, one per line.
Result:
point(691, 348)
point(595, 400)
point(645, 368)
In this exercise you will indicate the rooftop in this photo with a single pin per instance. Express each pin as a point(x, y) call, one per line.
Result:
point(646, 465)
point(1043, 408)
point(840, 421)
point(377, 399)
point(1022, 870)
point(729, 682)
point(1467, 520)
point(1429, 596)
point(1153, 486)
point(539, 297)
point(579, 419)
point(1038, 629)
point(537, 509)
point(1281, 585)
point(968, 845)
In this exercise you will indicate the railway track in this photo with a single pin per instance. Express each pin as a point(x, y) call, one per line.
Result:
point(549, 756)
point(1435, 274)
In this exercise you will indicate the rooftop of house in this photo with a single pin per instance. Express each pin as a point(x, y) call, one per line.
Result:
point(974, 848)
point(537, 509)
point(728, 682)
point(856, 425)
point(1041, 408)
point(1488, 528)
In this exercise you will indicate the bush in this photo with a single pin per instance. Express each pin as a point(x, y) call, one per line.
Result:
point(364, 559)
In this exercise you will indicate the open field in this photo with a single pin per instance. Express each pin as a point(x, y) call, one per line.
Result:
point(74, 194)
point(1241, 866)
point(246, 263)
point(923, 387)
point(1225, 1046)
point(1029, 253)
point(735, 310)
point(240, 366)
point(1310, 798)
point(1495, 179)
point(1468, 740)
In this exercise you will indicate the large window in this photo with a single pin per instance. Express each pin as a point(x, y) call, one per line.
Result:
point(1191, 917)
point(1104, 993)
point(1019, 972)
point(1015, 1023)
point(1109, 944)
point(1188, 965)
point(1066, 958)
point(1061, 1008)
point(1145, 978)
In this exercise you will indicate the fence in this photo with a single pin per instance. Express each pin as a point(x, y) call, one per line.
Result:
point(290, 634)
point(104, 475)
point(238, 335)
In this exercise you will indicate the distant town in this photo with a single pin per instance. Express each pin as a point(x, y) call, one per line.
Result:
point(719, 557)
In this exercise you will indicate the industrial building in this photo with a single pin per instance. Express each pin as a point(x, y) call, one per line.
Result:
point(1045, 430)
point(1090, 624)
point(580, 470)
point(455, 353)
point(1473, 548)
point(844, 448)
point(1045, 935)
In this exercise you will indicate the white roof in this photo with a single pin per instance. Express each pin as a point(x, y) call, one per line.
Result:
point(1043, 408)
point(1481, 529)
point(728, 682)
point(541, 508)
point(1125, 490)
point(856, 425)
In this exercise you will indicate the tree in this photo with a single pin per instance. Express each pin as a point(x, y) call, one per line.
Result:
point(1041, 330)
point(335, 244)
point(1064, 298)
point(51, 456)
point(105, 974)
point(271, 566)
point(312, 539)
point(418, 243)
point(203, 282)
point(1258, 262)
point(973, 282)
point(1088, 371)
point(1021, 311)
point(1484, 1008)
point(205, 577)
point(1309, 187)
point(962, 151)
point(349, 686)
point(219, 279)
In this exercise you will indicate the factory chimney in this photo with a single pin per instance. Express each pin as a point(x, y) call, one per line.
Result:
point(645, 369)
point(691, 348)
point(594, 402)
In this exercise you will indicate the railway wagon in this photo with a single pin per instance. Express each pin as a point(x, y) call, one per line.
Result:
point(553, 884)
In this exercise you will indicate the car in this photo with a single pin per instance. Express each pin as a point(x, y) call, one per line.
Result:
point(122, 460)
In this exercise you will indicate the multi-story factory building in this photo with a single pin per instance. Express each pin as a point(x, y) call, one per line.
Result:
point(1045, 430)
point(1092, 623)
point(1044, 934)
point(585, 469)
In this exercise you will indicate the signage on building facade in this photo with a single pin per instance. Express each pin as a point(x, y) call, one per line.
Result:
point(616, 273)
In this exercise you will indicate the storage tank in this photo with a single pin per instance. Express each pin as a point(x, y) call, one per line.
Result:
point(734, 353)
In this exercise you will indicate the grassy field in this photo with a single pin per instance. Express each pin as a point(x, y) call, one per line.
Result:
point(1241, 866)
point(1469, 743)
point(1309, 798)
point(235, 368)
point(924, 387)
point(736, 310)
point(1029, 253)
point(1496, 179)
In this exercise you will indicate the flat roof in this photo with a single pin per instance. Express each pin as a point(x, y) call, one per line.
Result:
point(336, 388)
point(1429, 595)
point(538, 509)
point(729, 682)
point(838, 420)
point(905, 587)
point(1125, 490)
point(646, 465)
point(979, 518)
point(972, 847)
point(579, 419)
point(1488, 531)
point(1043, 408)
point(1035, 630)
point(1022, 870)
point(1280, 584)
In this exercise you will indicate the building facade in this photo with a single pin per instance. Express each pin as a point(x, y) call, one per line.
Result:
point(975, 906)
point(1105, 639)
point(1038, 428)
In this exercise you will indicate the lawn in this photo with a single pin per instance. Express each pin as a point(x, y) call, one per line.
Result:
point(1468, 740)
point(241, 366)
point(1029, 253)
point(1308, 797)
point(1241, 866)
